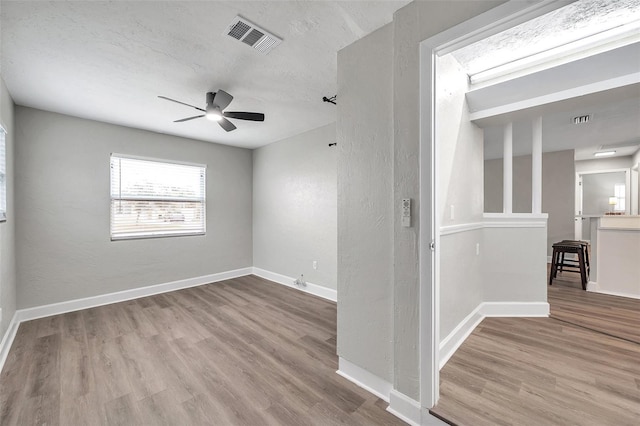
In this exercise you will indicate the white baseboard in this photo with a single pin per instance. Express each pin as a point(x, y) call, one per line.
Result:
point(366, 380)
point(548, 259)
point(595, 288)
point(121, 296)
point(450, 344)
point(7, 340)
point(405, 408)
point(316, 290)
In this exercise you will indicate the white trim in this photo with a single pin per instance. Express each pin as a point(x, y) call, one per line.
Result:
point(593, 287)
point(364, 379)
point(515, 220)
point(316, 290)
point(452, 342)
point(488, 23)
point(121, 296)
point(562, 95)
point(464, 227)
point(7, 340)
point(157, 160)
point(403, 407)
point(548, 259)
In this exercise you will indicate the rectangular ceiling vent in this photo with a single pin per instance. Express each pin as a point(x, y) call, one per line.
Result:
point(582, 119)
point(261, 40)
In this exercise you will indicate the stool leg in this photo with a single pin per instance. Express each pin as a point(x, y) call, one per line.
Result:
point(586, 258)
point(583, 269)
point(553, 266)
point(561, 256)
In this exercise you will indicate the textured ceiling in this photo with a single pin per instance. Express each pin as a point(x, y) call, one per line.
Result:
point(567, 24)
point(109, 61)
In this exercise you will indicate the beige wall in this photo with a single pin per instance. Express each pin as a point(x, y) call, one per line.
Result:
point(558, 191)
point(7, 229)
point(64, 251)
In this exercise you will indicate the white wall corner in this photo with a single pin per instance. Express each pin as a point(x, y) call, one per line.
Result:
point(364, 379)
point(7, 340)
point(514, 309)
point(450, 344)
point(121, 296)
point(316, 290)
point(405, 408)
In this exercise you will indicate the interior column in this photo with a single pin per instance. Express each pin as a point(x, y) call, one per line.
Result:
point(507, 170)
point(536, 167)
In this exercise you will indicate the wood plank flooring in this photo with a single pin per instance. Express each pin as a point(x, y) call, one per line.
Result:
point(240, 352)
point(613, 315)
point(581, 366)
point(540, 371)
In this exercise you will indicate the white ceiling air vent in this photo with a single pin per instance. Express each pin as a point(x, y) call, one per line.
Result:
point(249, 33)
point(582, 119)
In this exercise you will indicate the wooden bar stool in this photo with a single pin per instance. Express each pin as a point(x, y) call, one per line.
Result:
point(585, 248)
point(559, 262)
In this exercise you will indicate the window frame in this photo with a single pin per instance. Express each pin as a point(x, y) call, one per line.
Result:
point(160, 199)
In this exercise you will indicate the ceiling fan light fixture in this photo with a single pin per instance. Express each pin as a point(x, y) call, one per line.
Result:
point(213, 113)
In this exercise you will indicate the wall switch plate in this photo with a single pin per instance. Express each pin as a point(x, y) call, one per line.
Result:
point(452, 215)
point(406, 212)
point(477, 249)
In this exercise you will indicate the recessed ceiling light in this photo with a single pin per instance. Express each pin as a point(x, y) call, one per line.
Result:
point(604, 153)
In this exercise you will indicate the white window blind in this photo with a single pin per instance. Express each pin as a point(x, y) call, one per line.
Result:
point(153, 198)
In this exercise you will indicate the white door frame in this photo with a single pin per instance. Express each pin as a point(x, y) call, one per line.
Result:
point(491, 22)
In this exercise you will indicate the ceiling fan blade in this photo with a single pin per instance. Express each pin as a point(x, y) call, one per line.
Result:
point(241, 115)
point(226, 124)
point(178, 102)
point(222, 99)
point(188, 118)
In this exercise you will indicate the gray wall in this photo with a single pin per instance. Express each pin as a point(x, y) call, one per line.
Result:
point(295, 206)
point(62, 199)
point(365, 211)
point(604, 164)
point(378, 165)
point(558, 191)
point(459, 148)
point(7, 229)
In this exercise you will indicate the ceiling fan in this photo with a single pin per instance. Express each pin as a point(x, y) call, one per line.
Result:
point(216, 103)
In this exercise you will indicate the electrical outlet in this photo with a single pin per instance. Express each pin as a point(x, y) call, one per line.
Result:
point(452, 215)
point(477, 249)
point(315, 264)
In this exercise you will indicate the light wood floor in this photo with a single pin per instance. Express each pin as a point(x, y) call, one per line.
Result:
point(569, 369)
point(240, 352)
point(613, 315)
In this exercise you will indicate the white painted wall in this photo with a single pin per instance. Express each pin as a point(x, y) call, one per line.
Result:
point(515, 264)
point(7, 229)
point(378, 132)
point(558, 191)
point(295, 206)
point(365, 197)
point(64, 250)
point(459, 166)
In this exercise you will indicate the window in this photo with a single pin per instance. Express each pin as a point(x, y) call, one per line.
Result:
point(619, 191)
point(155, 198)
point(3, 176)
